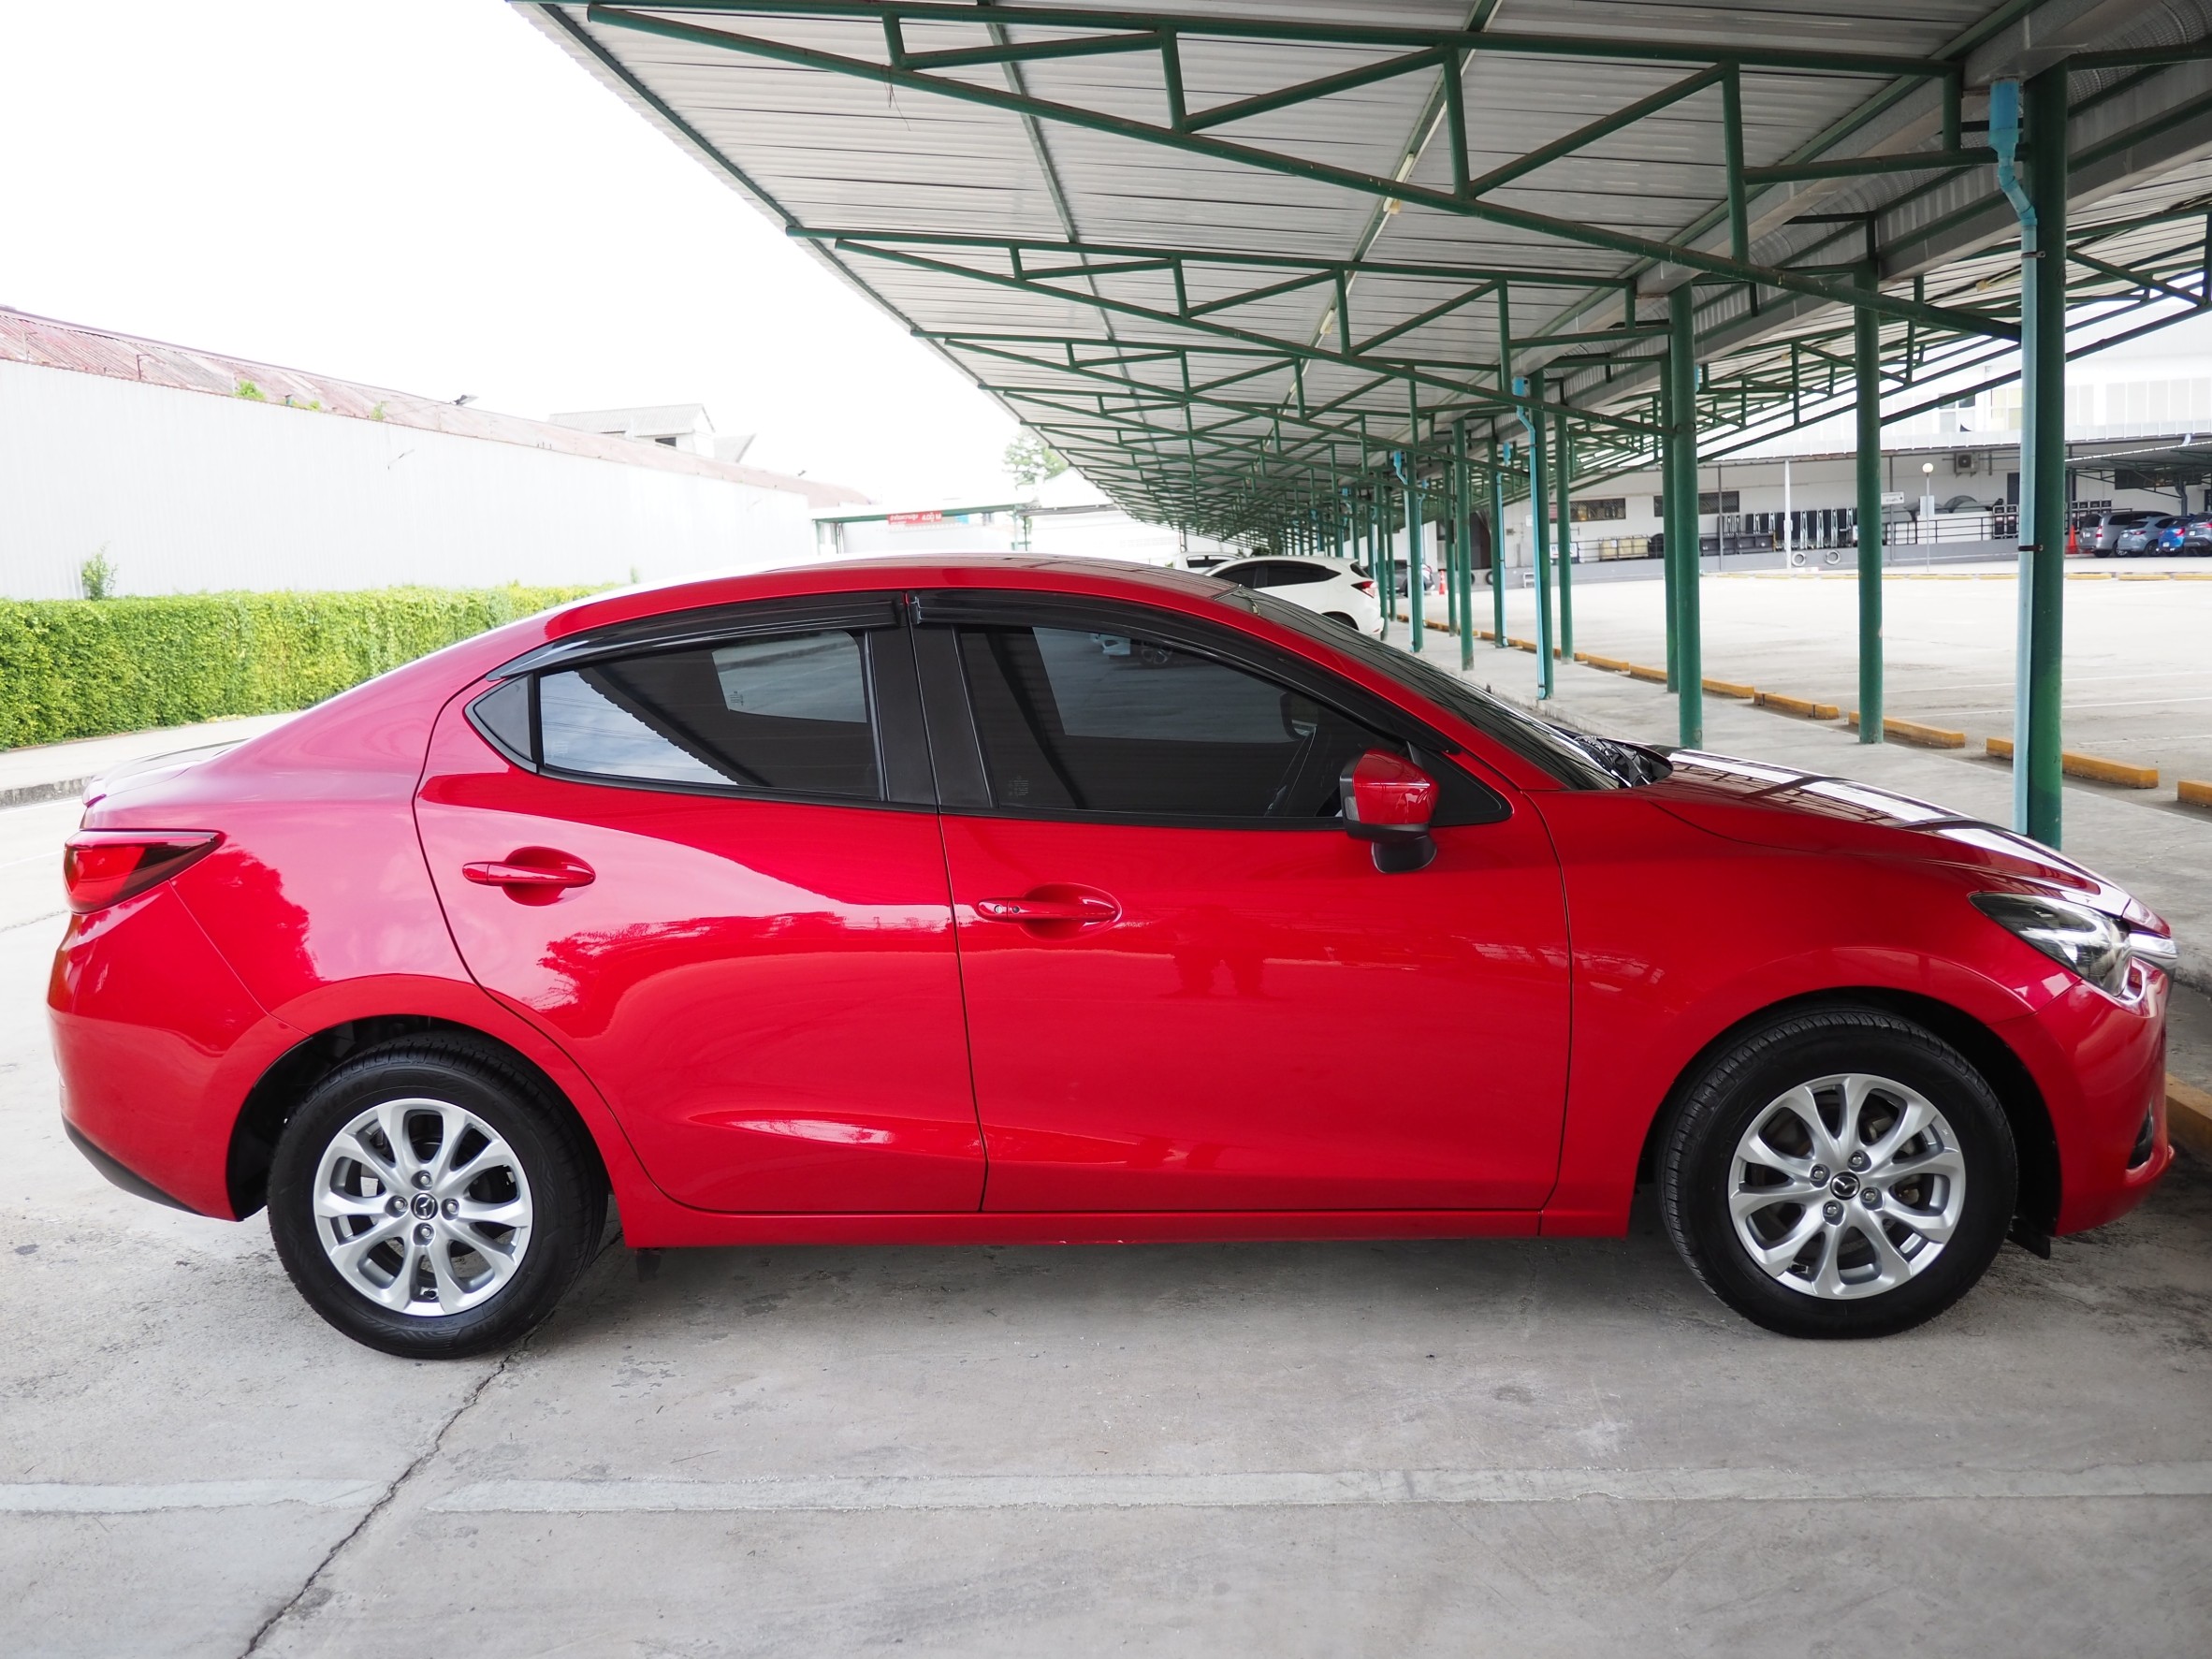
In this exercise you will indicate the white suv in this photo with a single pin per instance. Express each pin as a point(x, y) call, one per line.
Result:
point(1336, 587)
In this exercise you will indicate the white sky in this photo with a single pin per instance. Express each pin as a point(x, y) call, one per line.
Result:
point(427, 195)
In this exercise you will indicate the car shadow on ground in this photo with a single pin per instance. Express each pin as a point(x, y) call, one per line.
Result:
point(2150, 1273)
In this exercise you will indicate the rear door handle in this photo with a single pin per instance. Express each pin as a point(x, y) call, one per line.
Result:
point(1058, 909)
point(534, 873)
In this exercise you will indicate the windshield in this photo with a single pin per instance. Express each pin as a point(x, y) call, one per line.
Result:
point(1578, 761)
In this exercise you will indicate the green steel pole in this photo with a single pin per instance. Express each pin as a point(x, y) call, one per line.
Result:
point(1866, 371)
point(1497, 547)
point(1413, 555)
point(1540, 522)
point(1561, 465)
point(1670, 603)
point(1415, 587)
point(1463, 496)
point(1681, 532)
point(2043, 380)
point(1385, 566)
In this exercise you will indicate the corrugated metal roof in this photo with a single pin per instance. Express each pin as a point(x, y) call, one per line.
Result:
point(1080, 255)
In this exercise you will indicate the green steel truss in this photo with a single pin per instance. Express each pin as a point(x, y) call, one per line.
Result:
point(1207, 394)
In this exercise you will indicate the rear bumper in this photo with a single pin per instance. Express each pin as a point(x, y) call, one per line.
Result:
point(157, 1042)
point(120, 1173)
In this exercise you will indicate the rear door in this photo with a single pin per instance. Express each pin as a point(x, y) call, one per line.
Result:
point(1216, 1001)
point(703, 858)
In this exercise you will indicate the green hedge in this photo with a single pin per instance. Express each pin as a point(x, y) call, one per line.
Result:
point(85, 667)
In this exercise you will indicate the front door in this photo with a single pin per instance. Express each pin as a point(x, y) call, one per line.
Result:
point(711, 870)
point(1187, 989)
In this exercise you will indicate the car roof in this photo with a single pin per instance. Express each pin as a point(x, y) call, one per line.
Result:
point(1097, 578)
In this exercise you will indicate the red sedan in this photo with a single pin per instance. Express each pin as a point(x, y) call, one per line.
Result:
point(1020, 901)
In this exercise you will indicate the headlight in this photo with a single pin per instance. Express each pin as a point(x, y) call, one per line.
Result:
point(2096, 946)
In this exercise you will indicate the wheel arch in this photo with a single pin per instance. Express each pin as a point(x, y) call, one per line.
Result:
point(294, 1075)
point(1987, 1052)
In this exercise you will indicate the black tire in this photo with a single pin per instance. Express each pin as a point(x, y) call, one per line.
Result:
point(1739, 1089)
point(565, 1188)
point(1342, 619)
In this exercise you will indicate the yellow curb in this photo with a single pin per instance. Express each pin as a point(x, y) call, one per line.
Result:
point(1645, 671)
point(2188, 1117)
point(2141, 575)
point(2189, 575)
point(2090, 576)
point(1724, 688)
point(2094, 768)
point(1611, 664)
point(1913, 732)
point(2195, 793)
point(1803, 707)
point(1525, 644)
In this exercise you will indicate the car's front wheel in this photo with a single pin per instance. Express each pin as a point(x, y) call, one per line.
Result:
point(1841, 1172)
point(428, 1201)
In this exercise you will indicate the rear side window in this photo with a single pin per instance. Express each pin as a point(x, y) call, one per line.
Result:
point(787, 714)
point(1076, 722)
point(1291, 572)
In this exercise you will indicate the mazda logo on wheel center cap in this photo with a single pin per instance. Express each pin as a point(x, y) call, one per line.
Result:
point(1843, 1186)
point(426, 1206)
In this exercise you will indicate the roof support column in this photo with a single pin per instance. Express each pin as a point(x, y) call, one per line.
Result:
point(1463, 497)
point(1562, 466)
point(1539, 493)
point(1866, 338)
point(1409, 471)
point(1497, 547)
point(2036, 760)
point(1684, 551)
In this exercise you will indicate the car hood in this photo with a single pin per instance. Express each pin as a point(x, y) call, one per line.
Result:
point(1762, 805)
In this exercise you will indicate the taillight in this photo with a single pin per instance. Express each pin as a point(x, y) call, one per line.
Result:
point(1364, 587)
point(101, 868)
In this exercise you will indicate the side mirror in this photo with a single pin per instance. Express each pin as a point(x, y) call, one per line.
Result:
point(1387, 802)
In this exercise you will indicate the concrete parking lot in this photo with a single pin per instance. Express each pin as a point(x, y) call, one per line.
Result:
point(1535, 1446)
point(2138, 647)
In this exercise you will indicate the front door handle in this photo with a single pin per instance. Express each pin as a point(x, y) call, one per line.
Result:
point(534, 874)
point(1054, 912)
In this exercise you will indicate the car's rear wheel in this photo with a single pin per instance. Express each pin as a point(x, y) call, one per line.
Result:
point(428, 1201)
point(1841, 1172)
point(1340, 617)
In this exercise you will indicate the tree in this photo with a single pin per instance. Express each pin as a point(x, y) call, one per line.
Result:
point(1031, 460)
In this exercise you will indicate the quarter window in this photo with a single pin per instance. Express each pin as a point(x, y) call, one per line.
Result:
point(1100, 723)
point(787, 714)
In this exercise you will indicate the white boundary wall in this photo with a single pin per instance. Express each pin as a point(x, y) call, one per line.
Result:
point(188, 491)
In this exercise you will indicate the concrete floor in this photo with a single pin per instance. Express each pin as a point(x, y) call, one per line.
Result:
point(2138, 649)
point(1534, 1447)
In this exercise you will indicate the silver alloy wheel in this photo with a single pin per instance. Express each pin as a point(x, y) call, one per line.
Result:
point(1846, 1186)
point(422, 1207)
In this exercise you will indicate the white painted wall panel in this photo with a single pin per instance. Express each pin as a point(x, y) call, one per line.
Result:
point(186, 491)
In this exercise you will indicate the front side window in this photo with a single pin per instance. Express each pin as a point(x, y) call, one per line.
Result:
point(1071, 722)
point(787, 714)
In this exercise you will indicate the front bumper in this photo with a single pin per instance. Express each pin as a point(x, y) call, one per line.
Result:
point(2101, 1067)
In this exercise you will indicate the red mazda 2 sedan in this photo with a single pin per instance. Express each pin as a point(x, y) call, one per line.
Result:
point(1028, 901)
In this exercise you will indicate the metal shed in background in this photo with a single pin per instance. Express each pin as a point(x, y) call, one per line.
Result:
point(1274, 275)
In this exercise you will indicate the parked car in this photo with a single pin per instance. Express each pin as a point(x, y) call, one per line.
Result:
point(2102, 534)
point(1336, 589)
point(2143, 536)
point(2197, 536)
point(775, 906)
point(2173, 538)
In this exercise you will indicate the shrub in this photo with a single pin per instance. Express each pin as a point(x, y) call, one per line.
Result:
point(96, 574)
point(83, 668)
